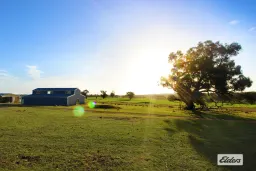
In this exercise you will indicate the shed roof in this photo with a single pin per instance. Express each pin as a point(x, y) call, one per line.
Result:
point(48, 96)
point(55, 89)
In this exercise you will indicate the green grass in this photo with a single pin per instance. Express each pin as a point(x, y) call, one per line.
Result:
point(162, 101)
point(134, 100)
point(131, 138)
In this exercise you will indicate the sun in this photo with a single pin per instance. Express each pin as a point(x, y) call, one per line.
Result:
point(146, 71)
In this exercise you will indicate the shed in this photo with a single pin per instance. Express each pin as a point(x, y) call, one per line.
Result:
point(9, 98)
point(54, 96)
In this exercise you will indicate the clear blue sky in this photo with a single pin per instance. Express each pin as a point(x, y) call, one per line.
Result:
point(113, 45)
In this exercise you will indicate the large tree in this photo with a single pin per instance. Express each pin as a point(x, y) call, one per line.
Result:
point(112, 94)
point(208, 67)
point(103, 94)
point(130, 94)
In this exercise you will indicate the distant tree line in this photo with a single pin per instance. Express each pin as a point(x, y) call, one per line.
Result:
point(218, 99)
point(103, 94)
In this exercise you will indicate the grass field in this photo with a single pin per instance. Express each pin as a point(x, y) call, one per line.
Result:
point(119, 134)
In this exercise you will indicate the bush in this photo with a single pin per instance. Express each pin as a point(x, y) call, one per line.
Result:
point(249, 97)
point(173, 97)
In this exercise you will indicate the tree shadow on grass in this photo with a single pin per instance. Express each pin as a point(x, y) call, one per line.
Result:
point(212, 137)
point(217, 115)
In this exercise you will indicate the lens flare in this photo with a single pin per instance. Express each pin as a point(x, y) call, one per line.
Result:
point(78, 111)
point(91, 105)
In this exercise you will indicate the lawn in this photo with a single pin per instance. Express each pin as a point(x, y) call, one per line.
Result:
point(116, 136)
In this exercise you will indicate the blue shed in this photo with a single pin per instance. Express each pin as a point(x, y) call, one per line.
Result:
point(54, 96)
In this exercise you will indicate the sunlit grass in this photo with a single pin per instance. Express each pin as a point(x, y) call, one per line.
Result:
point(154, 136)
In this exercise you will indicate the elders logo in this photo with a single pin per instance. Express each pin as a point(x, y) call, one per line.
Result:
point(230, 159)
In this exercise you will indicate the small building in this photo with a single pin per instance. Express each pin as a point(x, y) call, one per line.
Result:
point(54, 96)
point(9, 98)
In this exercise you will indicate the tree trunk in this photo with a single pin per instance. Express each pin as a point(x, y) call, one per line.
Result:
point(190, 105)
point(187, 99)
point(185, 95)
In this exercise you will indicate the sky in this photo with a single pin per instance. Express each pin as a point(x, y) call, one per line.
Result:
point(113, 45)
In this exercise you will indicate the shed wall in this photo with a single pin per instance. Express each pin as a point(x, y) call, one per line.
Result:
point(44, 101)
point(73, 99)
point(80, 96)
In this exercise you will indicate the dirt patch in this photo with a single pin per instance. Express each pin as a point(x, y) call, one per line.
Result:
point(27, 161)
point(6, 163)
point(20, 110)
point(121, 118)
point(29, 158)
point(97, 161)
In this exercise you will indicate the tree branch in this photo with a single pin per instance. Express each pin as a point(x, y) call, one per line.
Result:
point(197, 87)
point(202, 91)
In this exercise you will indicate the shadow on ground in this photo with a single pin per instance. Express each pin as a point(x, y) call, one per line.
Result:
point(100, 106)
point(212, 137)
point(143, 102)
point(218, 115)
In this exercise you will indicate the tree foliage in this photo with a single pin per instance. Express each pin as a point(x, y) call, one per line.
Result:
point(130, 94)
point(208, 67)
point(85, 93)
point(103, 94)
point(96, 95)
point(249, 97)
point(112, 94)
